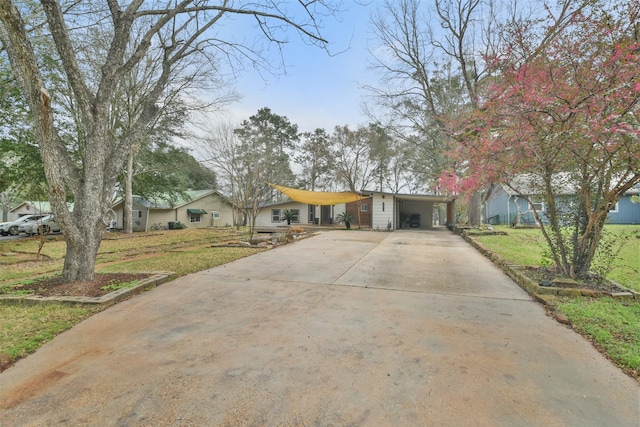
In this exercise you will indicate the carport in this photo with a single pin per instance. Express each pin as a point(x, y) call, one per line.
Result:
point(394, 211)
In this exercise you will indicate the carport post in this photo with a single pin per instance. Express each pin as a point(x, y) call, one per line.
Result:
point(451, 213)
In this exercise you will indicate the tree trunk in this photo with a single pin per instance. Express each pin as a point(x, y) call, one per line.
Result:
point(79, 263)
point(516, 220)
point(238, 219)
point(127, 206)
point(4, 201)
point(475, 209)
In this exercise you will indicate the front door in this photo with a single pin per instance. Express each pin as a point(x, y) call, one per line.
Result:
point(327, 215)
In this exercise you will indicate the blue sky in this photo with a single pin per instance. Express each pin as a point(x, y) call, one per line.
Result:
point(318, 90)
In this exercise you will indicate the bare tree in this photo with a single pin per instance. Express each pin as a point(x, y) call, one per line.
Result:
point(428, 74)
point(182, 33)
point(354, 166)
point(433, 64)
point(223, 151)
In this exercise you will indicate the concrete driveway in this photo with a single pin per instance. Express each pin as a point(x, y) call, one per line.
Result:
point(410, 328)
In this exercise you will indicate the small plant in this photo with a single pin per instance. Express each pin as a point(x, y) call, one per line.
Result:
point(278, 238)
point(179, 226)
point(288, 215)
point(609, 249)
point(347, 218)
point(545, 258)
point(114, 285)
point(294, 232)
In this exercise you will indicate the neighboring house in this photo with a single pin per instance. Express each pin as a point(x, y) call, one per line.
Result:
point(627, 210)
point(30, 208)
point(503, 204)
point(202, 208)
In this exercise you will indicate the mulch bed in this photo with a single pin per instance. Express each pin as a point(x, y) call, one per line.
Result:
point(54, 286)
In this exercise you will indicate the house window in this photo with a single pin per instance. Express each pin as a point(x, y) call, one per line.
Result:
point(539, 207)
point(276, 215)
point(136, 214)
point(614, 209)
point(296, 216)
point(195, 217)
point(312, 214)
point(364, 208)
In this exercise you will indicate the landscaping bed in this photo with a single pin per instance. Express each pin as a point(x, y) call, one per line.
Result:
point(102, 284)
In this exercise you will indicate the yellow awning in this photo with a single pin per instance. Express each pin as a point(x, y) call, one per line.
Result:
point(318, 197)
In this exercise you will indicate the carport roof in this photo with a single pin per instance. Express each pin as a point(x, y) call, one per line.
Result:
point(434, 198)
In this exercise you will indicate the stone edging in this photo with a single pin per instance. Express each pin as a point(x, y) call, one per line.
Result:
point(537, 291)
point(107, 300)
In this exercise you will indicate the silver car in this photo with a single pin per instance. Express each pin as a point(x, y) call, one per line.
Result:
point(44, 225)
point(13, 226)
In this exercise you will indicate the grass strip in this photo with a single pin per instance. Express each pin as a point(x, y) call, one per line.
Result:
point(612, 325)
point(24, 328)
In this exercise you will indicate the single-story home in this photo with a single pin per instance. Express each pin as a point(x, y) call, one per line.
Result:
point(503, 204)
point(200, 208)
point(31, 208)
point(378, 210)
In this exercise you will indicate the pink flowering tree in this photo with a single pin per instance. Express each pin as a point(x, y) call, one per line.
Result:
point(562, 119)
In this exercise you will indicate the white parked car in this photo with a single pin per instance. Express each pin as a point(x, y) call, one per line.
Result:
point(44, 225)
point(12, 226)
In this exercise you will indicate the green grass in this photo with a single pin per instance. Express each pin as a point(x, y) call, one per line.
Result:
point(24, 328)
point(613, 325)
point(180, 262)
point(118, 253)
point(520, 246)
point(526, 247)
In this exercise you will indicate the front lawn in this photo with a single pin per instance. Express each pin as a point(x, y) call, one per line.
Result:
point(24, 328)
